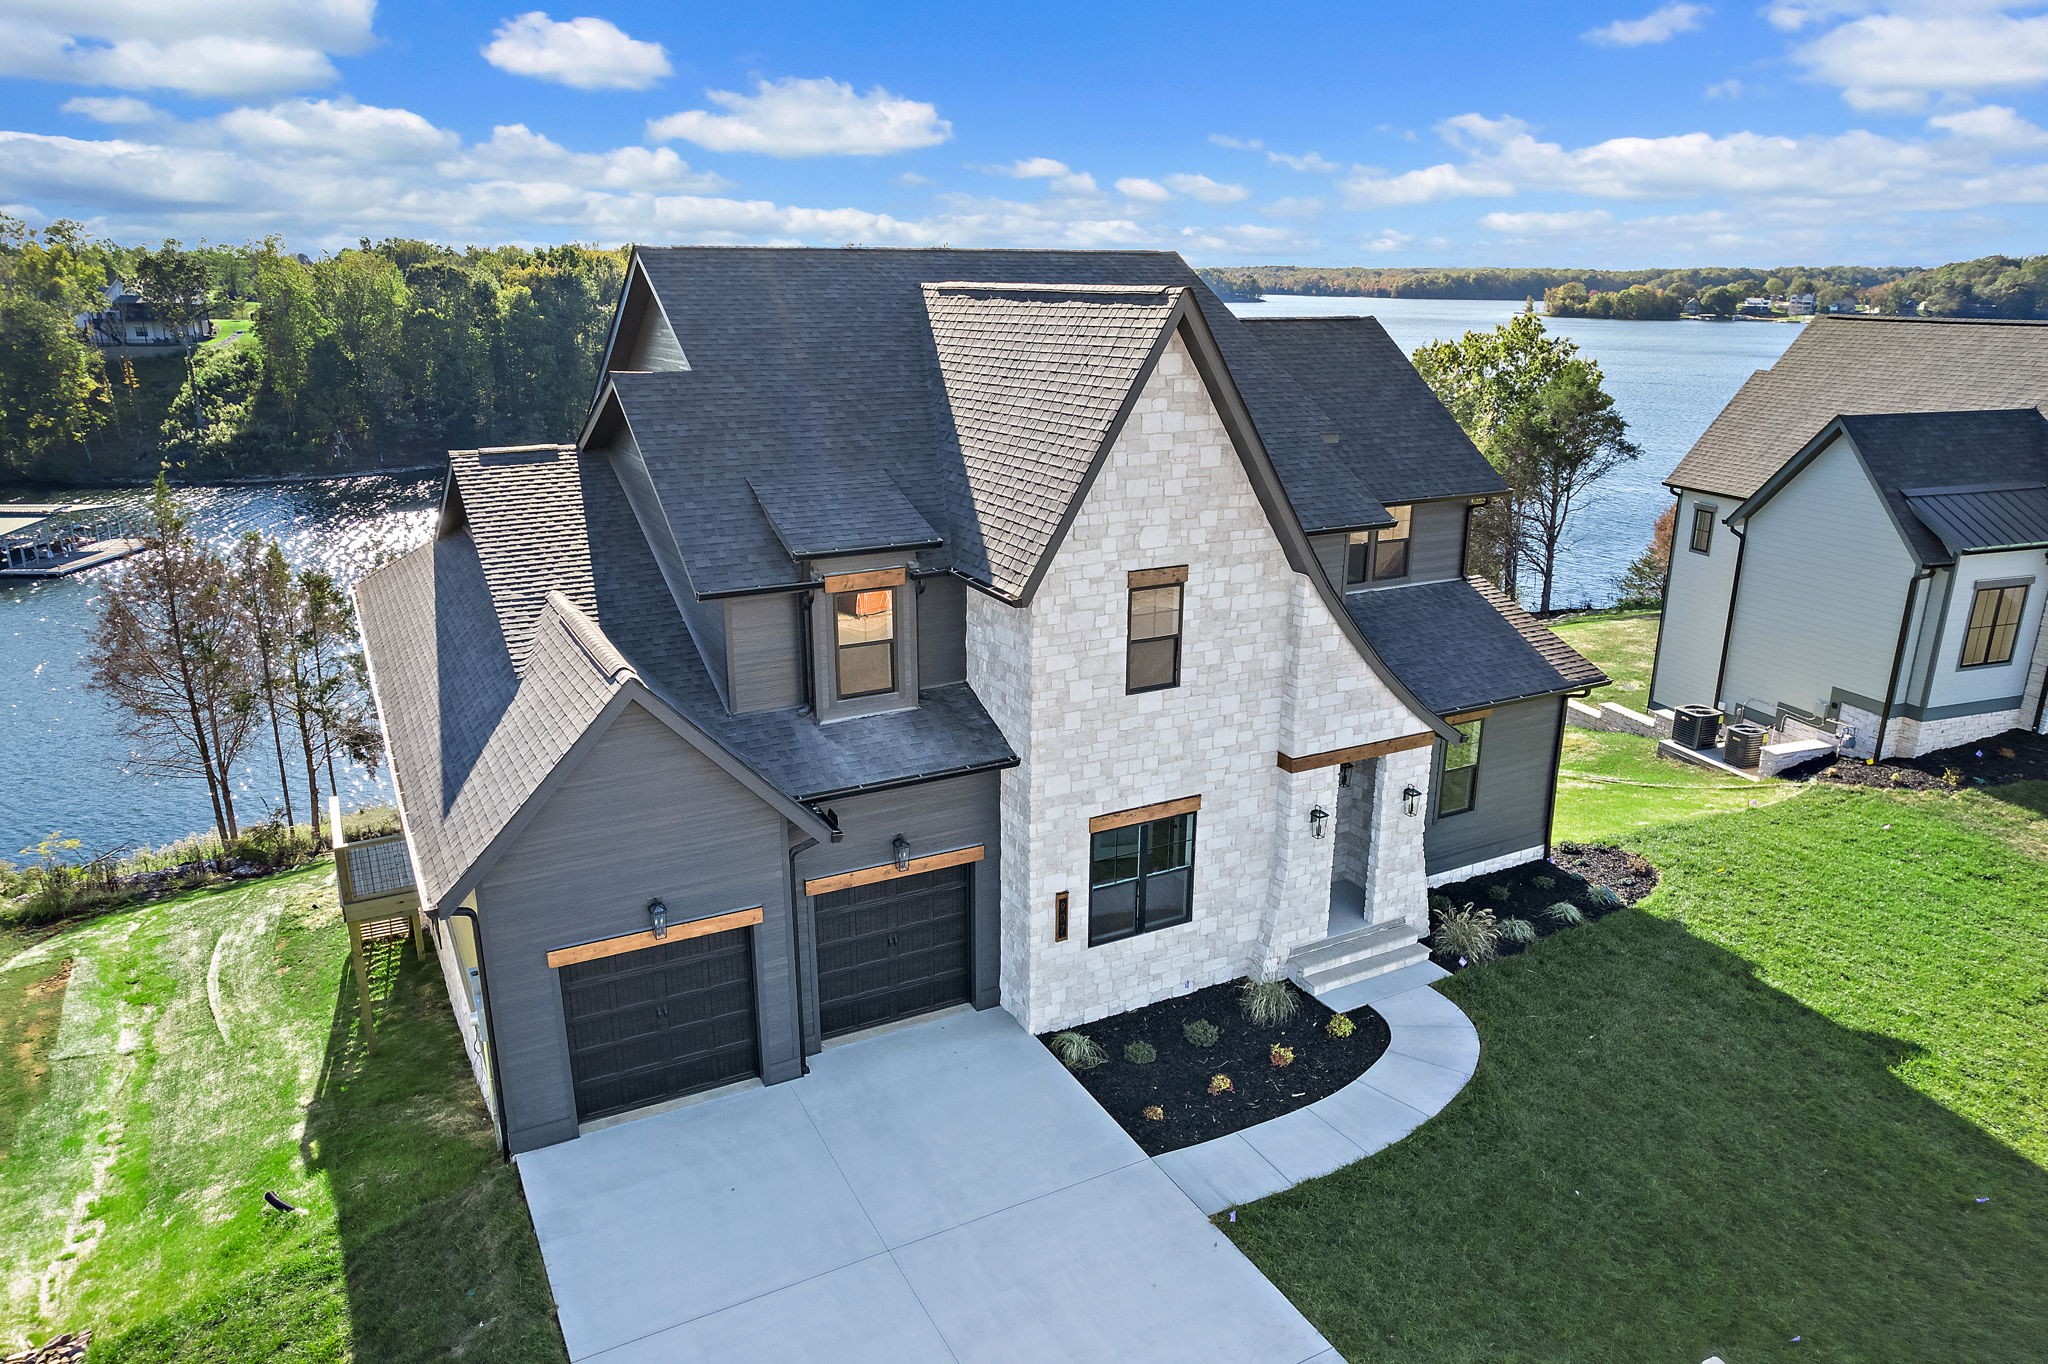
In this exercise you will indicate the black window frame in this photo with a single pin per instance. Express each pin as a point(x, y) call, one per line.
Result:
point(1702, 521)
point(1132, 639)
point(1146, 881)
point(1365, 559)
point(1989, 632)
point(840, 648)
point(1474, 732)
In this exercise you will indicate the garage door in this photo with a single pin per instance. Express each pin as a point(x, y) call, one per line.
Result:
point(894, 948)
point(661, 1021)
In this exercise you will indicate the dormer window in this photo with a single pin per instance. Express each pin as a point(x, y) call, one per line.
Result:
point(1378, 555)
point(864, 631)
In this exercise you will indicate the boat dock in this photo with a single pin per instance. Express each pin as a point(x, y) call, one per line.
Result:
point(51, 540)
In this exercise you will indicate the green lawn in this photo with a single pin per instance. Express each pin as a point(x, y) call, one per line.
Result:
point(1794, 1106)
point(1612, 785)
point(227, 331)
point(201, 1051)
point(1624, 644)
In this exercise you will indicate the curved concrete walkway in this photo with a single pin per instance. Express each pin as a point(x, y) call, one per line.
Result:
point(1433, 1053)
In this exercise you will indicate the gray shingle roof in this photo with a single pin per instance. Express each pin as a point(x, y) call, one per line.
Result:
point(526, 520)
point(853, 512)
point(1394, 434)
point(1853, 364)
point(1460, 644)
point(823, 364)
point(1917, 450)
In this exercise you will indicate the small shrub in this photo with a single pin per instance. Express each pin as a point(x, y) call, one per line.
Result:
point(1899, 777)
point(1269, 1003)
point(1605, 897)
point(1543, 882)
point(1152, 1113)
point(1201, 1033)
point(1564, 914)
point(1500, 895)
point(1440, 904)
point(1220, 1084)
point(1951, 777)
point(1077, 1050)
point(1638, 865)
point(2007, 753)
point(1470, 933)
point(1280, 1057)
point(1140, 1053)
point(1340, 1025)
point(1518, 931)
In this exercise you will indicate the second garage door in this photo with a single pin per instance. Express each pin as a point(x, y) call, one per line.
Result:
point(894, 949)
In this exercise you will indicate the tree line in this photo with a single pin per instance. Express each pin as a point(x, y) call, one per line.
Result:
point(378, 354)
point(1501, 283)
point(209, 653)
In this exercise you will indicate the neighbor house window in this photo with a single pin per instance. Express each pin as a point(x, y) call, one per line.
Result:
point(864, 625)
point(1994, 625)
point(1457, 786)
point(1140, 878)
point(1376, 555)
point(1702, 529)
point(1152, 656)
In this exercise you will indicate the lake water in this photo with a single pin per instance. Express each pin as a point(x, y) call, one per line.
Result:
point(63, 765)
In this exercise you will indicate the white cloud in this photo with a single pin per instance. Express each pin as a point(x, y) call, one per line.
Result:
point(322, 127)
point(1205, 190)
point(1546, 224)
point(1993, 124)
point(1241, 144)
point(1660, 25)
point(1293, 206)
point(910, 180)
point(795, 116)
point(209, 48)
point(1895, 61)
point(1307, 161)
point(1425, 186)
point(1031, 168)
point(587, 53)
point(1727, 89)
point(1146, 191)
point(1389, 240)
point(516, 152)
point(110, 108)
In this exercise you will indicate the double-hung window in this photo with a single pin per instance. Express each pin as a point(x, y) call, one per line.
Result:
point(1152, 655)
point(1141, 878)
point(1457, 783)
point(864, 636)
point(1994, 625)
point(1377, 555)
point(1702, 529)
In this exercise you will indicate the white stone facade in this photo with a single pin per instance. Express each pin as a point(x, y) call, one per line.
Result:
point(1517, 859)
point(1265, 669)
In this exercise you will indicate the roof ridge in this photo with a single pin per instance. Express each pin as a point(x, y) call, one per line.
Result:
point(961, 286)
point(1934, 321)
point(589, 636)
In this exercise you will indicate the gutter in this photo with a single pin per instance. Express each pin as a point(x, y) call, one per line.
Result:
point(1891, 684)
point(896, 783)
point(483, 984)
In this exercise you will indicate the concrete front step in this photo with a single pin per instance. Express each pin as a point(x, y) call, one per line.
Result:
point(1350, 973)
point(1359, 942)
point(1356, 956)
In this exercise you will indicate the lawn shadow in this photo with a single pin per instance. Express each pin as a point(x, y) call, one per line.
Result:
point(438, 1252)
point(1662, 1156)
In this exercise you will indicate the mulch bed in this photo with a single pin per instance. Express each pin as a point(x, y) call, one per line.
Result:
point(2016, 755)
point(1573, 871)
point(1178, 1081)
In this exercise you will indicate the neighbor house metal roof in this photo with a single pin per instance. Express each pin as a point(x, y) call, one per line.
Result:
point(1860, 364)
point(1461, 643)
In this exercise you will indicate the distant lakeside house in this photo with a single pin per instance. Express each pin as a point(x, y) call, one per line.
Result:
point(124, 318)
point(910, 630)
point(1862, 538)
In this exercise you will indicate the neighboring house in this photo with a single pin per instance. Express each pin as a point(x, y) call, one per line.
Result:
point(1755, 307)
point(124, 319)
point(1799, 305)
point(916, 629)
point(1861, 537)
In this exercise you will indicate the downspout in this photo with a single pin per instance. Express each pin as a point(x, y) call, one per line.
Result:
point(2040, 705)
point(1556, 760)
point(1664, 593)
point(1891, 684)
point(1734, 592)
point(483, 984)
point(799, 939)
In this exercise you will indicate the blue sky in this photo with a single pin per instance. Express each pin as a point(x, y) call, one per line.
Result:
point(1605, 134)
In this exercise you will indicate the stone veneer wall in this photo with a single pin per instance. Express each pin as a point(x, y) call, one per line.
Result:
point(1265, 669)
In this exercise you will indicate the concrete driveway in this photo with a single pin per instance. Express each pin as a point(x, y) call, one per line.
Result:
point(943, 1192)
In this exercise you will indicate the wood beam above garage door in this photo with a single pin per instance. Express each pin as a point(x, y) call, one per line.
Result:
point(633, 942)
point(889, 871)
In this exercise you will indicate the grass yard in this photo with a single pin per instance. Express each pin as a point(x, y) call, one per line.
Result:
point(227, 331)
point(1794, 1106)
point(169, 1064)
point(1624, 644)
point(1612, 785)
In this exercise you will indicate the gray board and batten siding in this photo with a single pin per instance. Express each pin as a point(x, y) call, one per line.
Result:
point(644, 816)
point(765, 649)
point(1436, 547)
point(1511, 810)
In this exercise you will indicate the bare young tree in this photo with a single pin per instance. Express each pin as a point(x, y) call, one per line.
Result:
point(265, 595)
point(329, 684)
point(170, 649)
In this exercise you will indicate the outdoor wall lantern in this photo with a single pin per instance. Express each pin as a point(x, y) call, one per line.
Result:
point(1411, 800)
point(901, 848)
point(658, 912)
point(1317, 818)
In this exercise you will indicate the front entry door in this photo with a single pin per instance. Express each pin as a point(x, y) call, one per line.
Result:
point(661, 1021)
point(894, 948)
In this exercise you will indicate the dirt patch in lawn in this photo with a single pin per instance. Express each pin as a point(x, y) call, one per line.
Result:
point(1595, 878)
point(2016, 755)
point(1177, 1082)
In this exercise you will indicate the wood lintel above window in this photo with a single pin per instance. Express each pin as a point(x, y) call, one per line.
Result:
point(1336, 757)
point(1145, 814)
point(1158, 577)
point(864, 582)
